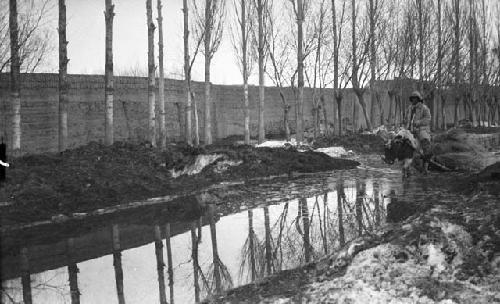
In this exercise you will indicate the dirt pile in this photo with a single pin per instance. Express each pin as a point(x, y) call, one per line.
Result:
point(487, 180)
point(96, 176)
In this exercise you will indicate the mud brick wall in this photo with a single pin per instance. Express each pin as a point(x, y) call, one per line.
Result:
point(39, 109)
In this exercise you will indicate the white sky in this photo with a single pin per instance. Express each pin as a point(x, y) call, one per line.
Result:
point(86, 31)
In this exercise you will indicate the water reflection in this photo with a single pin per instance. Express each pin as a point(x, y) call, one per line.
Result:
point(204, 253)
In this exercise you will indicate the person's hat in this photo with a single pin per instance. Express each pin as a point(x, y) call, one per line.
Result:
point(417, 95)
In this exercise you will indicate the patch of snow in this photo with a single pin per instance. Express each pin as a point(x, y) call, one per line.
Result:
point(436, 258)
point(277, 143)
point(199, 164)
point(335, 152)
point(223, 165)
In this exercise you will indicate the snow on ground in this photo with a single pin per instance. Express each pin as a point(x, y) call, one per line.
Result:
point(201, 162)
point(277, 143)
point(334, 152)
point(423, 272)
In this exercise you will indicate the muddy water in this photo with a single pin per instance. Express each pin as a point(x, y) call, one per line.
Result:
point(212, 246)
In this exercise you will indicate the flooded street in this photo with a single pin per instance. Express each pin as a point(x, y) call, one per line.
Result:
point(251, 231)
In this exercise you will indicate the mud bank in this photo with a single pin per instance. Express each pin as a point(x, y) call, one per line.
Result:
point(447, 253)
point(96, 176)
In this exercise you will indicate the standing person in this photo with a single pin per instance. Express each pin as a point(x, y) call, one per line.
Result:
point(419, 124)
point(3, 161)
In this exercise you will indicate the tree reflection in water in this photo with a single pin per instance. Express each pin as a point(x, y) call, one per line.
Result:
point(160, 265)
point(323, 224)
point(291, 233)
point(250, 253)
point(170, 263)
point(73, 273)
point(117, 263)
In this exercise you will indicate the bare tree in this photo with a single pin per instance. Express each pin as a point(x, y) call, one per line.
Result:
point(298, 8)
point(279, 48)
point(209, 21)
point(241, 36)
point(373, 58)
point(63, 78)
point(15, 66)
point(357, 62)
point(456, 55)
point(260, 16)
point(161, 80)
point(108, 74)
point(151, 75)
point(337, 26)
point(187, 73)
point(34, 39)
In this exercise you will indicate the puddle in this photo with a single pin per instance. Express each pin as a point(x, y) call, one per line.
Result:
point(184, 256)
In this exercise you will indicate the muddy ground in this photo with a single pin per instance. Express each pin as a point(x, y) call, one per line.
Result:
point(96, 176)
point(448, 252)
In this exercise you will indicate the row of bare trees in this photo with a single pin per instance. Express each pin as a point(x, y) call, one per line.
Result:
point(452, 48)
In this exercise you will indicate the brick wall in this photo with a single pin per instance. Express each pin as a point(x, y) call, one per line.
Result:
point(39, 109)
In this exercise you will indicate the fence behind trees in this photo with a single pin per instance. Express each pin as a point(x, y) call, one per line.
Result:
point(86, 109)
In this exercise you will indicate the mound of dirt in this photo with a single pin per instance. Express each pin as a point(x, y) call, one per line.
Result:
point(487, 180)
point(96, 176)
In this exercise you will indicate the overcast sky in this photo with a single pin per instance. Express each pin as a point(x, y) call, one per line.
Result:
point(86, 31)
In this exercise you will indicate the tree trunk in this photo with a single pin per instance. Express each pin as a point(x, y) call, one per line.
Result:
point(215, 252)
point(196, 118)
point(72, 273)
point(208, 59)
point(336, 92)
point(160, 264)
point(456, 55)
point(169, 261)
point(15, 68)
point(355, 67)
point(151, 75)
point(338, 99)
point(325, 114)
point(373, 62)
point(269, 254)
point(26, 276)
point(63, 78)
point(439, 67)
point(261, 122)
point(305, 221)
point(443, 112)
point(108, 74)
point(359, 206)
point(421, 47)
point(251, 245)
point(194, 257)
point(117, 263)
point(362, 102)
point(300, 72)
point(340, 201)
point(245, 72)
point(161, 80)
point(376, 203)
point(286, 110)
point(187, 74)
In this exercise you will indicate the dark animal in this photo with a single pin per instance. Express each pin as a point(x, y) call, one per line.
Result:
point(400, 149)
